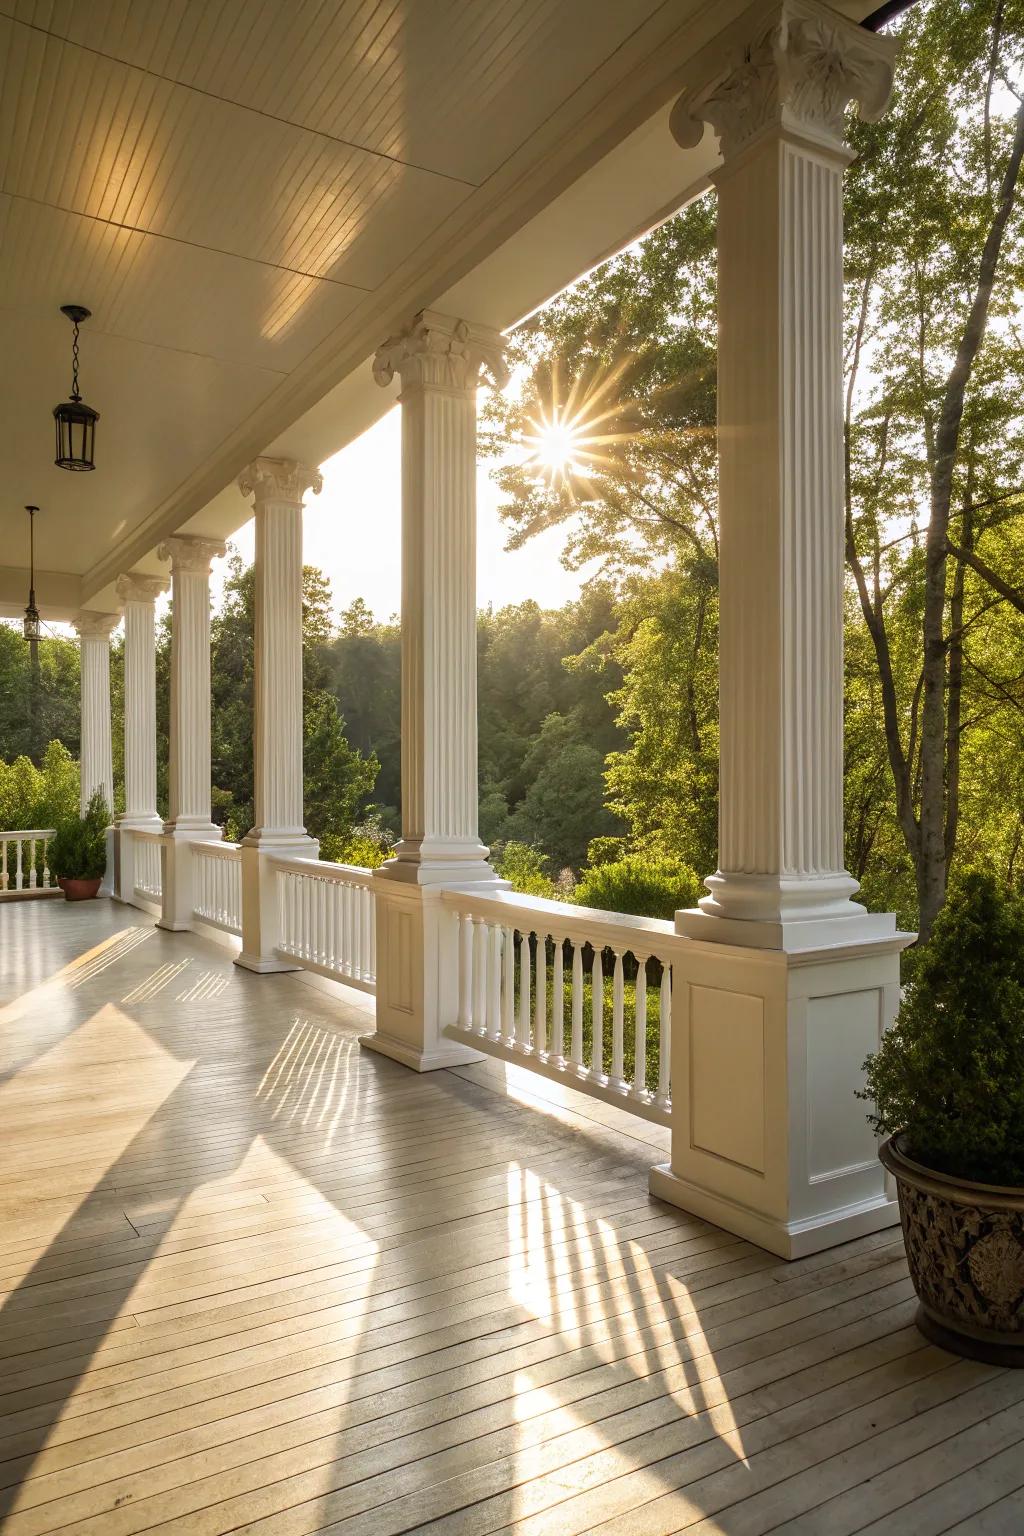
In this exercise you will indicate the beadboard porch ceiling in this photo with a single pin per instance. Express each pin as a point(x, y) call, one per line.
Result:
point(248, 196)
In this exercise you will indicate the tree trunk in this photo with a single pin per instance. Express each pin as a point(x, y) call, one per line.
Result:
point(931, 861)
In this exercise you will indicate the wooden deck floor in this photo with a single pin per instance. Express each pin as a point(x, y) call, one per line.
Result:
point(256, 1278)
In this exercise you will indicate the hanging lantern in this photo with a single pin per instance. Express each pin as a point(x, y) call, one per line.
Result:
point(76, 421)
point(32, 623)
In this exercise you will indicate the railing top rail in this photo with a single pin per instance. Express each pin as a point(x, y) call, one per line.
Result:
point(210, 848)
point(562, 918)
point(22, 833)
point(347, 874)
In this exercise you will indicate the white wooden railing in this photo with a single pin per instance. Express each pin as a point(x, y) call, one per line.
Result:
point(572, 993)
point(147, 869)
point(217, 885)
point(326, 919)
point(24, 868)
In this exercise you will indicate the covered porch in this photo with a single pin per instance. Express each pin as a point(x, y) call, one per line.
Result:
point(256, 1277)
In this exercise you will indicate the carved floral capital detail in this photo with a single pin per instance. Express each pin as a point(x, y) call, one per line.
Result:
point(188, 553)
point(449, 354)
point(133, 587)
point(801, 72)
point(95, 626)
point(284, 480)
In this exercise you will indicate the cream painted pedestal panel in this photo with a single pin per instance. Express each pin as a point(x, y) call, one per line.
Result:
point(768, 1139)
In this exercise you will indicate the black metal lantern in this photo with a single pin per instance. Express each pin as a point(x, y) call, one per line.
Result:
point(32, 623)
point(76, 421)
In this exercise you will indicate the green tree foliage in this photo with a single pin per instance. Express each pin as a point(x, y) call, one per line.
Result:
point(57, 702)
point(950, 1073)
point(935, 448)
point(525, 868)
point(32, 797)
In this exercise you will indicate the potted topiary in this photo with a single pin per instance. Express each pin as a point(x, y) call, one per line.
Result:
point(947, 1085)
point(78, 851)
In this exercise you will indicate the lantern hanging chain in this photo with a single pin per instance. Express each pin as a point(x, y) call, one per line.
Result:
point(74, 367)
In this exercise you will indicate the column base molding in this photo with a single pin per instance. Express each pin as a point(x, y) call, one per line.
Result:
point(791, 935)
point(790, 1240)
point(446, 1054)
point(187, 829)
point(264, 965)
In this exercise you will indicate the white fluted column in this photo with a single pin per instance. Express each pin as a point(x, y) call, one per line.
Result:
point(771, 1021)
point(440, 361)
point(189, 767)
point(139, 594)
point(189, 747)
point(95, 758)
point(779, 118)
point(277, 487)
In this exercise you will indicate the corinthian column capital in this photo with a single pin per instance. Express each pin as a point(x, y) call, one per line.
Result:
point(133, 587)
point(443, 352)
point(279, 480)
point(187, 553)
point(799, 71)
point(95, 626)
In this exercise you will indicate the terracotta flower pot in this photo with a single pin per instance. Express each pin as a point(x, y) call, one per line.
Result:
point(80, 890)
point(965, 1248)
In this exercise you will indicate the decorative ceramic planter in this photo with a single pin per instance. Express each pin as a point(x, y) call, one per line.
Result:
point(965, 1248)
point(80, 890)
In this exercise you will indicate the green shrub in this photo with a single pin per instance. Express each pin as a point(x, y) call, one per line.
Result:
point(950, 1072)
point(78, 851)
point(641, 885)
point(525, 868)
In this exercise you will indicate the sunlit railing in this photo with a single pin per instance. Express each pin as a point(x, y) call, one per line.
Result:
point(326, 919)
point(147, 869)
point(24, 867)
point(217, 885)
point(575, 994)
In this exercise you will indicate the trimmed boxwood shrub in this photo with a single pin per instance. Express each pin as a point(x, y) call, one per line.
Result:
point(78, 850)
point(950, 1072)
point(641, 885)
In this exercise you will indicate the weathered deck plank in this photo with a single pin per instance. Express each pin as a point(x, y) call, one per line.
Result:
point(253, 1277)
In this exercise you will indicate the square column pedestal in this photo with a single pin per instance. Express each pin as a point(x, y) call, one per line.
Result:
point(417, 976)
point(768, 1138)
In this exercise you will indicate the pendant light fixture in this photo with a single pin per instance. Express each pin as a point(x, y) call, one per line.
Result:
point(76, 421)
point(32, 623)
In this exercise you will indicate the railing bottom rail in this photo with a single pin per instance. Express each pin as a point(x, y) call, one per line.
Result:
point(563, 1072)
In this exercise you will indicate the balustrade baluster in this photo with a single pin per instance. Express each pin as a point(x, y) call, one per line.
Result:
point(508, 990)
point(356, 895)
point(663, 1096)
point(597, 1013)
point(17, 874)
point(540, 1006)
point(523, 1032)
point(492, 1025)
point(480, 946)
point(576, 1036)
point(556, 1045)
point(466, 939)
point(371, 949)
point(616, 1078)
point(640, 1031)
point(347, 930)
point(46, 864)
point(3, 865)
point(32, 866)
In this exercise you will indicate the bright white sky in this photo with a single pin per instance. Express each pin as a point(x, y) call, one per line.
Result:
point(352, 531)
